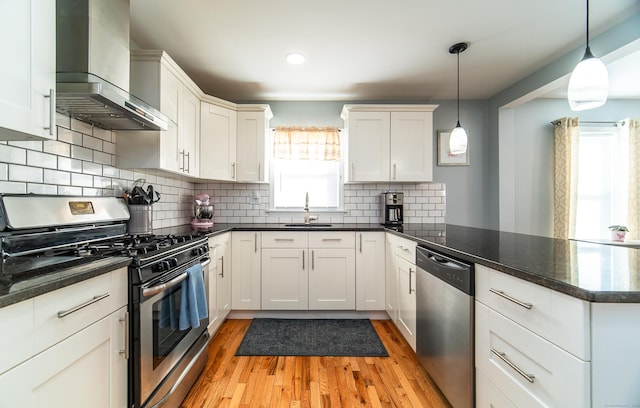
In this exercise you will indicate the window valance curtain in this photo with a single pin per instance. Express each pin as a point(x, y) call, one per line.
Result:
point(566, 177)
point(306, 143)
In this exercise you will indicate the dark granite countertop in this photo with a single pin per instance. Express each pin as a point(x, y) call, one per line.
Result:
point(14, 291)
point(585, 270)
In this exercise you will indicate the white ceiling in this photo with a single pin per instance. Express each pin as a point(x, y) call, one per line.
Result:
point(368, 50)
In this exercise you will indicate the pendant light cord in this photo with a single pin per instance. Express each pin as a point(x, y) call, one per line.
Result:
point(458, 53)
point(587, 23)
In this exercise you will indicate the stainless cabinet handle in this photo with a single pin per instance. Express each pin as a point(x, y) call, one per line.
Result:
point(283, 239)
point(222, 266)
point(360, 242)
point(332, 239)
point(233, 171)
point(303, 259)
point(512, 299)
point(181, 153)
point(52, 111)
point(503, 356)
point(403, 248)
point(410, 289)
point(91, 301)
point(259, 171)
point(188, 169)
point(395, 170)
point(255, 242)
point(312, 260)
point(125, 319)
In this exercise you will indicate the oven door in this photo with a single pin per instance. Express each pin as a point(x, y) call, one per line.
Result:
point(162, 343)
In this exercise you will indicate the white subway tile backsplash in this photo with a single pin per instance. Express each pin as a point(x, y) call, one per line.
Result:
point(67, 164)
point(12, 154)
point(42, 189)
point(81, 180)
point(25, 173)
point(56, 147)
point(92, 168)
point(81, 153)
point(4, 171)
point(68, 190)
point(57, 177)
point(69, 136)
point(10, 187)
point(91, 142)
point(38, 159)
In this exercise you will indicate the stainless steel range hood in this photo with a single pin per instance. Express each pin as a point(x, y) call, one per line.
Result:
point(92, 64)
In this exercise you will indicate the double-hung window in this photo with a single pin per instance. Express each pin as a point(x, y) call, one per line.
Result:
point(306, 161)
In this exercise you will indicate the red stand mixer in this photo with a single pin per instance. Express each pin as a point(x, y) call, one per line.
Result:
point(203, 212)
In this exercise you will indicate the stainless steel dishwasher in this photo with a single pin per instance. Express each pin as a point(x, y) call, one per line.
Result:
point(445, 324)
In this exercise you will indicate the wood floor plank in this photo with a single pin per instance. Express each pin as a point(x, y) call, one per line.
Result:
point(267, 381)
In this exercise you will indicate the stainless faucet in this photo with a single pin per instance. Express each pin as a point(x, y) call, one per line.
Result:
point(308, 218)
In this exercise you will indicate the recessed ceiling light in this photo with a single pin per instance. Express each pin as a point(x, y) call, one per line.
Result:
point(295, 59)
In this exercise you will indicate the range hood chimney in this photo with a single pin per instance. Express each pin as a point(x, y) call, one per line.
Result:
point(92, 64)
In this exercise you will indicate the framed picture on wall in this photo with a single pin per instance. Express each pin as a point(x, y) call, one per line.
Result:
point(445, 157)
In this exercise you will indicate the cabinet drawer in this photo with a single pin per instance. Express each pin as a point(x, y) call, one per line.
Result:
point(527, 369)
point(285, 239)
point(16, 326)
point(63, 312)
point(330, 239)
point(404, 248)
point(487, 395)
point(559, 318)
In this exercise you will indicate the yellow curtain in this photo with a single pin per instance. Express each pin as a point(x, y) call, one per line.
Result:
point(312, 143)
point(566, 177)
point(633, 219)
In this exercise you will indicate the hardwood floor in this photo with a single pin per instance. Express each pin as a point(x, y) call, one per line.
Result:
point(395, 381)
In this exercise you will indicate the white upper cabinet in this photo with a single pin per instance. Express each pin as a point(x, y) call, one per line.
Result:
point(389, 142)
point(252, 153)
point(28, 74)
point(218, 129)
point(159, 81)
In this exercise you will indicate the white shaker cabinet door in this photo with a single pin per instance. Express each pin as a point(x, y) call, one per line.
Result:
point(245, 249)
point(411, 157)
point(28, 72)
point(285, 279)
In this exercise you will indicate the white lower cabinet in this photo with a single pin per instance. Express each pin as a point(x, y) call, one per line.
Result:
point(401, 285)
point(308, 270)
point(528, 369)
point(370, 270)
point(245, 276)
point(220, 268)
point(88, 366)
point(406, 320)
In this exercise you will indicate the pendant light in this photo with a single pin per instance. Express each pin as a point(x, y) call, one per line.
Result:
point(458, 138)
point(589, 81)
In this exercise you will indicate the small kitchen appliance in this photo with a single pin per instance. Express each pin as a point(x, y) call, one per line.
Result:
point(391, 208)
point(203, 212)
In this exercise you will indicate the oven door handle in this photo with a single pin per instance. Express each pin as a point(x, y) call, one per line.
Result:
point(154, 290)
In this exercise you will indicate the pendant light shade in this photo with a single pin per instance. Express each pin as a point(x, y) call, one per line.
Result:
point(458, 139)
point(589, 81)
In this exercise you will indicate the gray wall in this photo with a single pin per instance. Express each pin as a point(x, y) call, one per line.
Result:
point(530, 170)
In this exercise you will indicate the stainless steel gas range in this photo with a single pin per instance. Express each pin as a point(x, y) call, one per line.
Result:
point(167, 347)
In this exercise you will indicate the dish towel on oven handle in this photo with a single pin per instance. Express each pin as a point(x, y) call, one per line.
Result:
point(193, 304)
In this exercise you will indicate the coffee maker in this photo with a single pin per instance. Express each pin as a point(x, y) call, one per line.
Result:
point(391, 212)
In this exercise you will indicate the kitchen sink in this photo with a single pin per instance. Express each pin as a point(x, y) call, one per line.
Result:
point(307, 225)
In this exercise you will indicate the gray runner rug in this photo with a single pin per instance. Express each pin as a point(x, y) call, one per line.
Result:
point(311, 337)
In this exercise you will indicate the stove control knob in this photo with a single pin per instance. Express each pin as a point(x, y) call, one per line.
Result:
point(197, 251)
point(173, 262)
point(161, 266)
